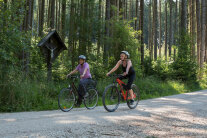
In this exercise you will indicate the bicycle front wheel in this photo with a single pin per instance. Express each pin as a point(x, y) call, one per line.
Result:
point(111, 98)
point(91, 100)
point(136, 97)
point(66, 99)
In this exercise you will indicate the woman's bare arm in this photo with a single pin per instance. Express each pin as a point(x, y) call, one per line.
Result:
point(115, 68)
point(129, 64)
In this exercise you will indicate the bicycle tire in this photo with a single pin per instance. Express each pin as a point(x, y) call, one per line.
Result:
point(108, 103)
point(66, 95)
point(91, 100)
point(136, 99)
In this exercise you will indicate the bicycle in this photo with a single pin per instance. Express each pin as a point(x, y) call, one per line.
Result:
point(68, 96)
point(111, 96)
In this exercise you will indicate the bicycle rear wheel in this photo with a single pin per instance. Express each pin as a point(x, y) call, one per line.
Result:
point(91, 100)
point(111, 98)
point(136, 97)
point(66, 99)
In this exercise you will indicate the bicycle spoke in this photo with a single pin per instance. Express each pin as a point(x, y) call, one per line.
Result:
point(66, 100)
point(111, 98)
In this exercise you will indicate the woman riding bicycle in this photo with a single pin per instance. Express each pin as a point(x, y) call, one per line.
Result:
point(85, 76)
point(128, 72)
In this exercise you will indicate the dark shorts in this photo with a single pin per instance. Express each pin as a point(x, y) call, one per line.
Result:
point(83, 86)
point(130, 78)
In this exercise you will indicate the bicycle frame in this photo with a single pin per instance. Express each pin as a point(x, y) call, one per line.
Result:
point(74, 88)
point(121, 87)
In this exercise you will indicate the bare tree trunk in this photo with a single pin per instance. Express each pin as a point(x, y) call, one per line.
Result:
point(175, 27)
point(203, 23)
point(198, 30)
point(41, 16)
point(99, 30)
point(126, 12)
point(52, 15)
point(56, 15)
point(48, 12)
point(136, 15)
point(193, 28)
point(183, 23)
point(63, 20)
point(166, 30)
point(150, 31)
point(160, 27)
point(107, 34)
point(170, 31)
point(59, 15)
point(155, 28)
point(71, 36)
point(27, 26)
point(206, 36)
point(142, 29)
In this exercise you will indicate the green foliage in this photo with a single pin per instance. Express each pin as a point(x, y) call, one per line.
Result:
point(124, 38)
point(184, 67)
point(203, 80)
point(160, 68)
point(152, 87)
point(22, 94)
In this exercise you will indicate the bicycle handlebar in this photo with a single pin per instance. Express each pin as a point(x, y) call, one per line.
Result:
point(73, 77)
point(116, 75)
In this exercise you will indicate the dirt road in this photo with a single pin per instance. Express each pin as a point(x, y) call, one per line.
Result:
point(183, 115)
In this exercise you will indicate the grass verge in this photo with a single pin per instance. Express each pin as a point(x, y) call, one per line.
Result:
point(28, 95)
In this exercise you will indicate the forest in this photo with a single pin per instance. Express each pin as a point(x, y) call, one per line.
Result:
point(166, 39)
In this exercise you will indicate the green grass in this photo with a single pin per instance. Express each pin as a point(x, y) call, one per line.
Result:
point(27, 95)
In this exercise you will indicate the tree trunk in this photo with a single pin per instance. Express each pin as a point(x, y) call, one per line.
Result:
point(56, 15)
point(126, 12)
point(155, 28)
point(166, 30)
point(41, 17)
point(142, 29)
point(72, 33)
point(193, 28)
point(183, 23)
point(63, 20)
point(52, 14)
point(160, 27)
point(203, 36)
point(27, 26)
point(59, 14)
point(170, 31)
point(107, 34)
point(206, 36)
point(99, 29)
point(48, 12)
point(175, 27)
point(136, 15)
point(198, 30)
point(150, 31)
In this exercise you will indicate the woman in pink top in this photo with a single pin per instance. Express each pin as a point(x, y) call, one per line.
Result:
point(85, 77)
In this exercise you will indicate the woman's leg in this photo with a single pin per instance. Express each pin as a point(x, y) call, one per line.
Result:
point(129, 84)
point(131, 94)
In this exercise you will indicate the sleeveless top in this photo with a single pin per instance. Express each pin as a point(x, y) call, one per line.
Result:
point(131, 69)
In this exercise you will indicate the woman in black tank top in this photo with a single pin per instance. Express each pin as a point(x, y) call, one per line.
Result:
point(128, 71)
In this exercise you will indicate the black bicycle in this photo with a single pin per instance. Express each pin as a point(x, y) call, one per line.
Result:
point(68, 96)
